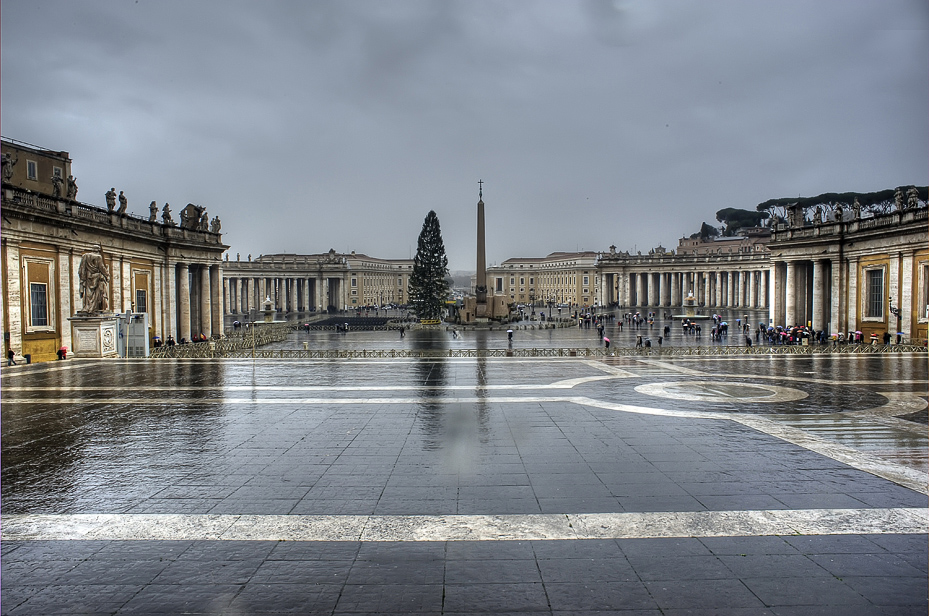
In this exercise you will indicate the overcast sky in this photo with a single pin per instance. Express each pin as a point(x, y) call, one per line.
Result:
point(307, 126)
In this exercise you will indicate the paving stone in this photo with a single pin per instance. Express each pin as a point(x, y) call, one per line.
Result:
point(516, 459)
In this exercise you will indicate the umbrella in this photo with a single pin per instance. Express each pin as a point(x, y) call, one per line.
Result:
point(509, 331)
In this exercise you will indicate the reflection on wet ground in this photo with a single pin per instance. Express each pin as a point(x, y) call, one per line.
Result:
point(727, 438)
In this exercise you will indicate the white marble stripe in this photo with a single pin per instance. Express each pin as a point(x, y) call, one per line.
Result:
point(537, 527)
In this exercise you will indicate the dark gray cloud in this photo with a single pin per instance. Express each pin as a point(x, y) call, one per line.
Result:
point(310, 125)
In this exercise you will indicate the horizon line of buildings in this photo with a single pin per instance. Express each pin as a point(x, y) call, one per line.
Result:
point(837, 271)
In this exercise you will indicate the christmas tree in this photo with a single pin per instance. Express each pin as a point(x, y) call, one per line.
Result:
point(428, 284)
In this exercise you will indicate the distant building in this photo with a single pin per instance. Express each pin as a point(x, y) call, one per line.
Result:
point(298, 283)
point(560, 278)
point(169, 272)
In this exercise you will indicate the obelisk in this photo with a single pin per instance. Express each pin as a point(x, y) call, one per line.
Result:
point(480, 288)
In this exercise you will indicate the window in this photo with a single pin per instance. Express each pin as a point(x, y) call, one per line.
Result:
point(38, 303)
point(354, 282)
point(512, 280)
point(56, 171)
point(586, 281)
point(874, 293)
point(522, 280)
point(32, 171)
point(140, 304)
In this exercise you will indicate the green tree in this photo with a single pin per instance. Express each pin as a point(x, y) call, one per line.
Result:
point(428, 285)
point(735, 219)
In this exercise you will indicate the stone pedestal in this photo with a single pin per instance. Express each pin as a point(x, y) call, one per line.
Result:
point(94, 335)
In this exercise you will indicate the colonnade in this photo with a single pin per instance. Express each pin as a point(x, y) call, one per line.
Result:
point(803, 292)
point(742, 288)
point(244, 294)
point(192, 302)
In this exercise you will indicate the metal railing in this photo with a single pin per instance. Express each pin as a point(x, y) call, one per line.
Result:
point(242, 348)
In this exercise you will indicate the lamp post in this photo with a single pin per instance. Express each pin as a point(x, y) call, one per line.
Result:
point(896, 313)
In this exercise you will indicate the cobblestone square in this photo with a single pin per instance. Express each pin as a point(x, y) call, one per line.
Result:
point(734, 485)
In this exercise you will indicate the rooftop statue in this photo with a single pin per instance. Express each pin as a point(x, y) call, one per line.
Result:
point(166, 216)
point(216, 226)
point(111, 199)
point(72, 187)
point(56, 186)
point(152, 212)
point(8, 163)
point(123, 204)
point(912, 197)
point(94, 284)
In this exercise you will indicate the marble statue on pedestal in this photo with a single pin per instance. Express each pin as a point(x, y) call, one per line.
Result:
point(94, 284)
point(111, 199)
point(123, 204)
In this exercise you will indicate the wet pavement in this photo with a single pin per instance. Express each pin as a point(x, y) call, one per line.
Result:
point(733, 485)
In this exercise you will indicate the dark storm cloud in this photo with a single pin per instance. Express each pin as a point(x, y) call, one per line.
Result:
point(310, 125)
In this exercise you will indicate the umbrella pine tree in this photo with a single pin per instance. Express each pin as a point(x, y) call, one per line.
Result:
point(428, 285)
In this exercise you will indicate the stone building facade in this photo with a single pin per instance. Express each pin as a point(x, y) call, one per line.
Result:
point(172, 273)
point(851, 271)
point(315, 282)
point(560, 278)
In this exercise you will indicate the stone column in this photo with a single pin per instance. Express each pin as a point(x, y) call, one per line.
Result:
point(852, 320)
point(640, 298)
point(906, 296)
point(64, 298)
point(753, 289)
point(819, 316)
point(836, 304)
point(218, 300)
point(206, 305)
point(718, 288)
point(774, 297)
point(183, 301)
point(157, 310)
point(675, 289)
point(14, 295)
point(126, 300)
point(730, 288)
point(293, 294)
point(652, 289)
point(790, 303)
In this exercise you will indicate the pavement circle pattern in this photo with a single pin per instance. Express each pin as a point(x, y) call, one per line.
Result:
point(728, 393)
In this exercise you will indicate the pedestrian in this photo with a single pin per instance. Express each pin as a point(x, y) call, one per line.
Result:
point(607, 342)
point(10, 358)
point(748, 341)
point(402, 331)
point(660, 338)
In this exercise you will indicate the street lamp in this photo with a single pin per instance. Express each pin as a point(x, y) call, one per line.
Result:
point(896, 313)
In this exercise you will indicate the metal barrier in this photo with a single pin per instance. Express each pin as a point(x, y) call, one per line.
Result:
point(243, 347)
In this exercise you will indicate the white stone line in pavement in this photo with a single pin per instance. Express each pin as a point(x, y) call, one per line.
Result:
point(673, 367)
point(897, 473)
point(562, 384)
point(412, 528)
point(726, 392)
